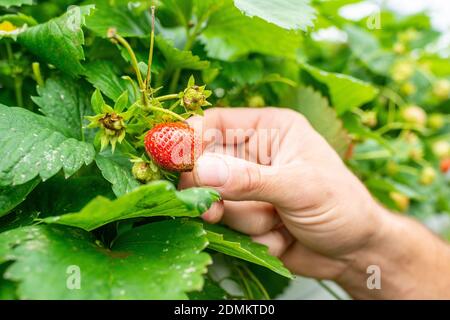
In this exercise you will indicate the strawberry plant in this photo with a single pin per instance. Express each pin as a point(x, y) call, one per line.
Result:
point(94, 95)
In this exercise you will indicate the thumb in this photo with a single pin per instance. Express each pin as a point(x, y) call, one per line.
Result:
point(237, 179)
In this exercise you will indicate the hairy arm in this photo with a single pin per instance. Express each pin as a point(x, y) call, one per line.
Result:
point(413, 262)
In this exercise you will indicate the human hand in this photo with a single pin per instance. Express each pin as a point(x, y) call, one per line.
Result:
point(299, 199)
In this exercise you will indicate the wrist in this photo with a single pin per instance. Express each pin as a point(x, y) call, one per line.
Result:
point(354, 278)
point(408, 259)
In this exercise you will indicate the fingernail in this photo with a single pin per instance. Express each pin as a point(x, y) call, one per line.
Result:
point(212, 171)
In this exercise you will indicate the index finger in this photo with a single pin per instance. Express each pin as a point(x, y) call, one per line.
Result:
point(236, 125)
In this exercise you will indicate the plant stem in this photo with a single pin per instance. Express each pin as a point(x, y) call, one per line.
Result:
point(249, 293)
point(173, 114)
point(18, 90)
point(392, 95)
point(371, 155)
point(173, 106)
point(329, 290)
point(257, 282)
point(188, 46)
point(134, 63)
point(168, 97)
point(133, 85)
point(37, 73)
point(9, 51)
point(148, 80)
point(174, 81)
point(191, 39)
point(18, 81)
point(408, 170)
point(398, 126)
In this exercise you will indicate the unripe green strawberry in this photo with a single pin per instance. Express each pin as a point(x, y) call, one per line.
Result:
point(414, 114)
point(172, 146)
point(402, 71)
point(436, 121)
point(408, 35)
point(427, 176)
point(411, 138)
point(256, 101)
point(144, 172)
point(408, 88)
point(392, 168)
point(441, 89)
point(369, 118)
point(399, 48)
point(441, 149)
point(401, 201)
point(416, 153)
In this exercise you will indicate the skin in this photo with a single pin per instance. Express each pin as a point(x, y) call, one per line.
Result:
point(310, 210)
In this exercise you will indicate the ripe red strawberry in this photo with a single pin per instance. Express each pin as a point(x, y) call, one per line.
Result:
point(445, 165)
point(172, 146)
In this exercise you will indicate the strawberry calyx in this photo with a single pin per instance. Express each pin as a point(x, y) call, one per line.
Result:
point(195, 97)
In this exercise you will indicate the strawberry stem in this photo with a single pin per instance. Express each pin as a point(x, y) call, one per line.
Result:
point(191, 37)
point(168, 97)
point(134, 62)
point(173, 114)
point(18, 82)
point(133, 85)
point(150, 55)
point(173, 106)
point(37, 73)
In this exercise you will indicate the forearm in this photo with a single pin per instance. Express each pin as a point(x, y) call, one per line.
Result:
point(413, 263)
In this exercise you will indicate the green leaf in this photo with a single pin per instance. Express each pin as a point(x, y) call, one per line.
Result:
point(10, 197)
point(180, 11)
point(18, 218)
point(323, 118)
point(230, 34)
point(56, 195)
point(210, 291)
point(116, 168)
point(59, 41)
point(16, 3)
point(346, 92)
point(235, 244)
point(107, 15)
point(103, 75)
point(159, 198)
point(389, 185)
point(156, 261)
point(178, 59)
point(366, 47)
point(273, 283)
point(7, 288)
point(121, 103)
point(243, 72)
point(63, 100)
point(37, 145)
point(97, 102)
point(287, 14)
